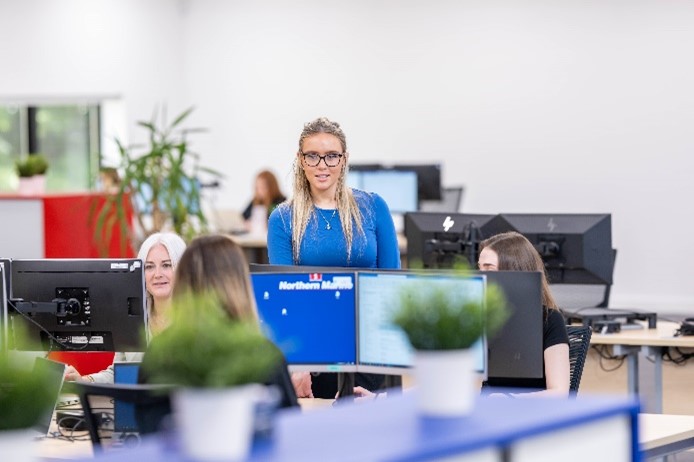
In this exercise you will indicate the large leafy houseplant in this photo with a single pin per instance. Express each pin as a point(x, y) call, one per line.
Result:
point(160, 181)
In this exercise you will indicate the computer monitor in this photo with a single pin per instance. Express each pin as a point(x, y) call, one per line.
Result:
point(79, 304)
point(576, 248)
point(124, 418)
point(384, 347)
point(516, 351)
point(428, 180)
point(397, 188)
point(428, 177)
point(310, 316)
point(440, 240)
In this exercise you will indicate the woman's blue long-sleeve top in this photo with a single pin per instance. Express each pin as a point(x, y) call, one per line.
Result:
point(376, 248)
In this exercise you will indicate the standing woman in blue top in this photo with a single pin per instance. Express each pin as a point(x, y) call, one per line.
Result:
point(327, 223)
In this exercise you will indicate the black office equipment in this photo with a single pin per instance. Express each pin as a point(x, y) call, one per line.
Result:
point(79, 304)
point(428, 177)
point(576, 248)
point(589, 316)
point(451, 199)
point(440, 240)
point(516, 352)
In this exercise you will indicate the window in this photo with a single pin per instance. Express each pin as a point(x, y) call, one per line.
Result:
point(67, 134)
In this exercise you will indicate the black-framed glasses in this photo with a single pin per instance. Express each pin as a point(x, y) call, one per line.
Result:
point(331, 159)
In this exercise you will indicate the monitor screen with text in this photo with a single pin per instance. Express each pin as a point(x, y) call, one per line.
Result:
point(311, 317)
point(383, 346)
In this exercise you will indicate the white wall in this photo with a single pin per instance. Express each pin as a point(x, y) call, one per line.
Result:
point(62, 50)
point(535, 106)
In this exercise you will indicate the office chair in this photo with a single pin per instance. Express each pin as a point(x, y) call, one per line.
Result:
point(151, 402)
point(579, 342)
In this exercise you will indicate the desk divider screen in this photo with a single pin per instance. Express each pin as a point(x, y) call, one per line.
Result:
point(333, 320)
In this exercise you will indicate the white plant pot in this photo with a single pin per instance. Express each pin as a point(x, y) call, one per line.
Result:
point(26, 186)
point(39, 184)
point(447, 382)
point(18, 445)
point(216, 423)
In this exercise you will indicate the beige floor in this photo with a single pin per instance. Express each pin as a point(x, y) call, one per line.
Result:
point(678, 381)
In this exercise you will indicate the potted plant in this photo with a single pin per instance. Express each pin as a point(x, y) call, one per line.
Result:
point(217, 365)
point(442, 323)
point(160, 181)
point(31, 170)
point(25, 397)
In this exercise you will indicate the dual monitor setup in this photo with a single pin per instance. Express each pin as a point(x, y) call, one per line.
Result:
point(575, 248)
point(340, 320)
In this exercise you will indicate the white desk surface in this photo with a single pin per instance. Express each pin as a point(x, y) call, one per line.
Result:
point(662, 336)
point(656, 430)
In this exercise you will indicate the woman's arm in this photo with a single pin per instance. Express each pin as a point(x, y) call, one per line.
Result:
point(388, 253)
point(557, 373)
point(279, 237)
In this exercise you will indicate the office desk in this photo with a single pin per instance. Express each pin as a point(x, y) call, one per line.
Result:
point(663, 434)
point(518, 430)
point(650, 342)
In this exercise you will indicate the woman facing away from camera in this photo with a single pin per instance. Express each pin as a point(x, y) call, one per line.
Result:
point(327, 223)
point(512, 251)
point(216, 264)
point(160, 254)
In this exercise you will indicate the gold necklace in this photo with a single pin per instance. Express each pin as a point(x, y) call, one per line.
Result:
point(327, 222)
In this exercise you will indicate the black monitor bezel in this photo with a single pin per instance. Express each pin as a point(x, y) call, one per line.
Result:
point(130, 335)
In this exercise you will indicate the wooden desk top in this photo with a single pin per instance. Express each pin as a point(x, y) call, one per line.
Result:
point(662, 336)
point(657, 430)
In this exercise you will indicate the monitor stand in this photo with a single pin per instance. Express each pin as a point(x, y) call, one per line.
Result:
point(345, 386)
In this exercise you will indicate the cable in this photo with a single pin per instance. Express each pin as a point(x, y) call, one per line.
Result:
point(43, 329)
point(605, 356)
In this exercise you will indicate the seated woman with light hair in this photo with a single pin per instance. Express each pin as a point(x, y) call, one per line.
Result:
point(160, 254)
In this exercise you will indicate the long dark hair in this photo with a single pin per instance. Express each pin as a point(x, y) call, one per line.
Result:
point(516, 253)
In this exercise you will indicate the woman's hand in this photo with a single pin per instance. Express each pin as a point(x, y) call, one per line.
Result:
point(302, 384)
point(71, 374)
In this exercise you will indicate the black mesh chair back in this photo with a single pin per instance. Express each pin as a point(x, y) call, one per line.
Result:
point(151, 404)
point(579, 342)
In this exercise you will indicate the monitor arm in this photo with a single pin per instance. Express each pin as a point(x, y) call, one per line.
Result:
point(58, 306)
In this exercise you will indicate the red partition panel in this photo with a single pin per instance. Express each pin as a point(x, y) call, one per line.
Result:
point(70, 222)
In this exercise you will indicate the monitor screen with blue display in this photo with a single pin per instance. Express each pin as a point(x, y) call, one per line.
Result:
point(311, 317)
point(384, 347)
point(397, 188)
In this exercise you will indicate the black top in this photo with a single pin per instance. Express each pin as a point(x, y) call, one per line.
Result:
point(553, 333)
point(247, 212)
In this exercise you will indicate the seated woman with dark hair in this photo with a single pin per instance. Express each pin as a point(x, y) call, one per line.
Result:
point(513, 252)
